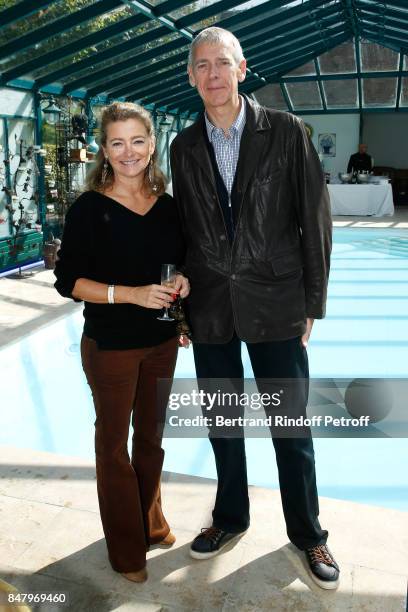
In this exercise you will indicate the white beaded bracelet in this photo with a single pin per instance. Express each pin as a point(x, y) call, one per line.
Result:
point(111, 294)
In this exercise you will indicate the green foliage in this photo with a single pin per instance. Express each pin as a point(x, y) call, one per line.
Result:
point(48, 134)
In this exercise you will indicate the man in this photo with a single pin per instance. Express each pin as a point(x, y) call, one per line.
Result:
point(360, 161)
point(255, 212)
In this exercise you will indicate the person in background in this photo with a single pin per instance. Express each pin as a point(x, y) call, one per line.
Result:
point(256, 216)
point(116, 237)
point(360, 161)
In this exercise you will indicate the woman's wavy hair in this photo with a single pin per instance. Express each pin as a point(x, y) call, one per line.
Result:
point(121, 111)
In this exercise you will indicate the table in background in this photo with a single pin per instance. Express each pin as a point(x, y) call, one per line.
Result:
point(374, 200)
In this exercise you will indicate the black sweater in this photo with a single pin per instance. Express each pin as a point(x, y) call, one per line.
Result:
point(106, 242)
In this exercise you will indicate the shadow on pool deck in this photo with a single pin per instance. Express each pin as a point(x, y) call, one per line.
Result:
point(51, 540)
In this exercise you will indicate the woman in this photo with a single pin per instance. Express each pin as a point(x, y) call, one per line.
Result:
point(116, 237)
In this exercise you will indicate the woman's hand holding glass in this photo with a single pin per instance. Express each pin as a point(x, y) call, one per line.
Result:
point(155, 296)
point(151, 296)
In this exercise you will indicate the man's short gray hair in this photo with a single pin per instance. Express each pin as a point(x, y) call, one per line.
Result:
point(216, 36)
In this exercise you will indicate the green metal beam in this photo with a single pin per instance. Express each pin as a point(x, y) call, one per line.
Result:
point(297, 52)
point(299, 34)
point(267, 11)
point(288, 46)
point(347, 76)
point(392, 26)
point(173, 100)
point(286, 96)
point(274, 71)
point(97, 58)
point(385, 43)
point(141, 85)
point(320, 85)
point(341, 111)
point(400, 43)
point(392, 3)
point(105, 74)
point(399, 82)
point(22, 10)
point(358, 65)
point(266, 27)
point(380, 8)
point(67, 50)
point(55, 90)
point(394, 17)
point(40, 163)
point(140, 6)
point(351, 14)
point(171, 84)
point(208, 11)
point(58, 26)
point(168, 6)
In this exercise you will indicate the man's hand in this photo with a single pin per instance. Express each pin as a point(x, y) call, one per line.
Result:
point(184, 341)
point(182, 285)
point(306, 335)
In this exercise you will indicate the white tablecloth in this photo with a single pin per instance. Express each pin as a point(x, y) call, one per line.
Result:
point(375, 200)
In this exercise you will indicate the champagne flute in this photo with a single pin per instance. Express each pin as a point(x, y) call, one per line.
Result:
point(168, 279)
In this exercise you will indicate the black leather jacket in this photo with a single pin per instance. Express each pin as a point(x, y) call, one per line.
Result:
point(275, 273)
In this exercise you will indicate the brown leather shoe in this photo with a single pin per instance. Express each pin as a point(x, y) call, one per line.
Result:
point(168, 540)
point(140, 576)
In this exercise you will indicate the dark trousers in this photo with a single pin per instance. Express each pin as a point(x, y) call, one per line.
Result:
point(294, 455)
point(124, 387)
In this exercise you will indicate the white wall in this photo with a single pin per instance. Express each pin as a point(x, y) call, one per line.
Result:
point(346, 128)
point(14, 102)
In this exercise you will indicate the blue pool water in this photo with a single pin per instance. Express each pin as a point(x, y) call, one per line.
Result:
point(46, 403)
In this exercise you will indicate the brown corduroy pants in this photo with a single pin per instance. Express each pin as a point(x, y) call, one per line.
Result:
point(124, 387)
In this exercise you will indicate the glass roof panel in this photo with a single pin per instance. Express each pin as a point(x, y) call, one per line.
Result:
point(341, 93)
point(305, 70)
point(219, 16)
point(340, 59)
point(103, 46)
point(379, 92)
point(64, 38)
point(271, 96)
point(128, 72)
point(405, 62)
point(305, 95)
point(55, 10)
point(377, 58)
point(7, 3)
point(404, 92)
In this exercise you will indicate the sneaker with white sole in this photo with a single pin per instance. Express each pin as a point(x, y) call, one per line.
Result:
point(323, 568)
point(210, 542)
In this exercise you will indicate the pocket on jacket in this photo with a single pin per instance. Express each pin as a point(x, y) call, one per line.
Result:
point(288, 262)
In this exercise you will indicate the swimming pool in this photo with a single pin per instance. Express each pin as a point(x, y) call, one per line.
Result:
point(46, 403)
